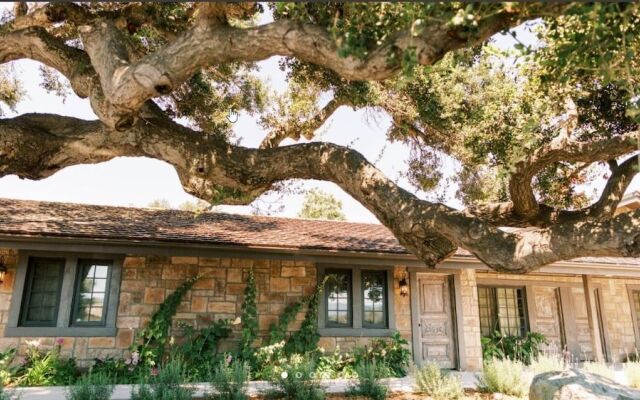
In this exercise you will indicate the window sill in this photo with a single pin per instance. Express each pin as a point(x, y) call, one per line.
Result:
point(355, 332)
point(59, 332)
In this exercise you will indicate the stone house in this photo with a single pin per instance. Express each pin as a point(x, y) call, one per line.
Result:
point(94, 275)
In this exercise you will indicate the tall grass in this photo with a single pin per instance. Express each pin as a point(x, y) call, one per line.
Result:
point(598, 368)
point(91, 387)
point(504, 376)
point(431, 381)
point(632, 373)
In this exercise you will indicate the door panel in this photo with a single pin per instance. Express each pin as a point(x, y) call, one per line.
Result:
point(436, 329)
point(547, 317)
point(583, 332)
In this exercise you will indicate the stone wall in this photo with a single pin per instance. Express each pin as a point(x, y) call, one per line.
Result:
point(146, 281)
point(470, 315)
point(617, 310)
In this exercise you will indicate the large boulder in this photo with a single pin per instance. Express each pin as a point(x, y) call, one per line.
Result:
point(573, 384)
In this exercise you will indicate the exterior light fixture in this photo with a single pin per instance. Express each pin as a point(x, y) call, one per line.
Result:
point(404, 286)
point(3, 270)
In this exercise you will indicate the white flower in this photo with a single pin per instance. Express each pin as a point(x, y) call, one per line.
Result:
point(237, 321)
point(33, 343)
point(284, 374)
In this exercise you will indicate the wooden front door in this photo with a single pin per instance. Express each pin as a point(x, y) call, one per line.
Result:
point(436, 328)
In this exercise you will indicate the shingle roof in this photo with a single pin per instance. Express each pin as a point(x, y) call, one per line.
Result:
point(51, 219)
point(69, 220)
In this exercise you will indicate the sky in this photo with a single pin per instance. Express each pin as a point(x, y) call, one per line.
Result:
point(136, 182)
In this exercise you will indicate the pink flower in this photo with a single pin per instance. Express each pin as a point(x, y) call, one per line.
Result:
point(229, 359)
point(154, 371)
point(60, 341)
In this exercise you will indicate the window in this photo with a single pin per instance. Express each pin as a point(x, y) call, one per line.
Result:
point(634, 295)
point(502, 309)
point(338, 298)
point(374, 293)
point(92, 292)
point(42, 296)
point(356, 301)
point(62, 294)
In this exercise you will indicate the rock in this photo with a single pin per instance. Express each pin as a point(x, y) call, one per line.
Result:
point(578, 385)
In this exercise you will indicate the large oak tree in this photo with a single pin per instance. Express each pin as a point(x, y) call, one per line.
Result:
point(529, 127)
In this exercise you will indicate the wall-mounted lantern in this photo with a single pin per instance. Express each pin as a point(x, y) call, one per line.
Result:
point(3, 270)
point(404, 286)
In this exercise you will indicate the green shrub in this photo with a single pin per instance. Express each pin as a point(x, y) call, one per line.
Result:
point(392, 355)
point(632, 373)
point(431, 381)
point(166, 385)
point(4, 395)
point(120, 371)
point(46, 368)
point(7, 369)
point(502, 346)
point(296, 382)
point(598, 368)
point(229, 381)
point(269, 360)
point(335, 365)
point(91, 386)
point(368, 385)
point(503, 376)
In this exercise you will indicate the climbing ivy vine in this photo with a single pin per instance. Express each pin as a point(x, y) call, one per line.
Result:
point(306, 339)
point(249, 319)
point(153, 339)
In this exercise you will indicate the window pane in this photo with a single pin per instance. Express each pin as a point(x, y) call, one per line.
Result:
point(636, 304)
point(338, 298)
point(511, 311)
point(92, 287)
point(501, 309)
point(374, 299)
point(42, 292)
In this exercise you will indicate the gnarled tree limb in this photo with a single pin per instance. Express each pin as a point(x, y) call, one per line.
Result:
point(294, 129)
point(37, 44)
point(35, 146)
point(525, 205)
point(207, 44)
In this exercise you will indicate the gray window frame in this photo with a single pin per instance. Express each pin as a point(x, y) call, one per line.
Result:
point(26, 298)
point(357, 329)
point(82, 262)
point(385, 310)
point(330, 324)
point(64, 326)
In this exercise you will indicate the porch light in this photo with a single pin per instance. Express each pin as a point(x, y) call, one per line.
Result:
point(3, 270)
point(404, 286)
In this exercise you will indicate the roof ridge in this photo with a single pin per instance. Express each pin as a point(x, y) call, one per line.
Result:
point(173, 210)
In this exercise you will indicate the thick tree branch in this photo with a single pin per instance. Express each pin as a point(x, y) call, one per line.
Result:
point(37, 44)
point(504, 214)
point(525, 204)
point(208, 44)
point(35, 146)
point(294, 129)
